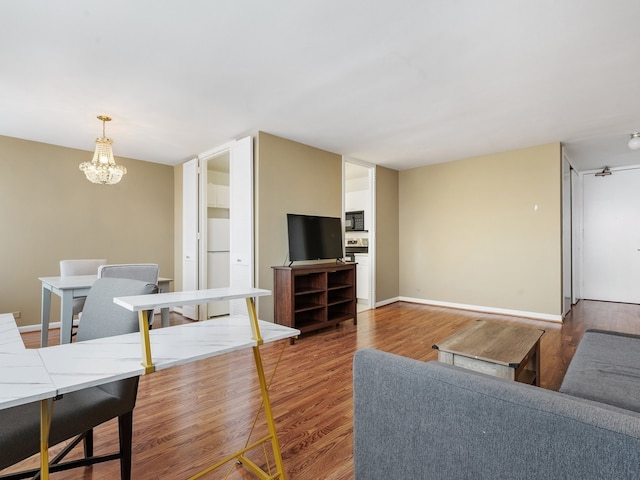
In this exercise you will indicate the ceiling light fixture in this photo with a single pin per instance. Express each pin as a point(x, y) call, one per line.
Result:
point(102, 168)
point(605, 171)
point(634, 143)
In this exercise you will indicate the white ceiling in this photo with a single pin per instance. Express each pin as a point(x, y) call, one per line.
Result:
point(395, 83)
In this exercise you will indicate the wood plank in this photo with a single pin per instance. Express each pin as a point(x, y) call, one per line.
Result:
point(189, 416)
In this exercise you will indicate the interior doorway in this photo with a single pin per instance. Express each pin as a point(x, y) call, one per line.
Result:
point(218, 186)
point(216, 235)
point(359, 211)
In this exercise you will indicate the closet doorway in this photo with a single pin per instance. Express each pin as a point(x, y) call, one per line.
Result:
point(218, 224)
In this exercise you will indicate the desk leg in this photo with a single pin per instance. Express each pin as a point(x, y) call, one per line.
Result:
point(145, 342)
point(253, 318)
point(46, 412)
point(66, 316)
point(164, 316)
point(44, 316)
point(275, 445)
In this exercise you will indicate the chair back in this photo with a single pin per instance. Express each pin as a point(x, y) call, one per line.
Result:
point(87, 266)
point(146, 272)
point(101, 317)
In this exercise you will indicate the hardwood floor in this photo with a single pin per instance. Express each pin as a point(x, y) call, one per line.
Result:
point(188, 417)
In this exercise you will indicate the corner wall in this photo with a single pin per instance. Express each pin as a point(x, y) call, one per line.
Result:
point(290, 177)
point(485, 232)
point(387, 240)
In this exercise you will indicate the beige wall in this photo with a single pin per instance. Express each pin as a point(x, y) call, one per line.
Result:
point(289, 178)
point(387, 246)
point(470, 233)
point(49, 212)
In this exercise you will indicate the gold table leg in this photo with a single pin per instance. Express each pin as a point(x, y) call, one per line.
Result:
point(275, 445)
point(46, 412)
point(147, 361)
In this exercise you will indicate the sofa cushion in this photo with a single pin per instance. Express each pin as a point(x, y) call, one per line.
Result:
point(606, 368)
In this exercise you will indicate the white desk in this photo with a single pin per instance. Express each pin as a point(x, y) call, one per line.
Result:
point(28, 375)
point(68, 288)
point(23, 376)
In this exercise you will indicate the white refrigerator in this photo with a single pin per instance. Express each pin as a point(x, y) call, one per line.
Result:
point(218, 262)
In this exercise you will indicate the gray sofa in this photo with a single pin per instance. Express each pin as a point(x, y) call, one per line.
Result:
point(417, 420)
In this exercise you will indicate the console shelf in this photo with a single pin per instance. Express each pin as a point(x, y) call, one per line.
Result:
point(310, 297)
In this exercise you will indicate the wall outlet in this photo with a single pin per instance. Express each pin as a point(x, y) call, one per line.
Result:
point(17, 315)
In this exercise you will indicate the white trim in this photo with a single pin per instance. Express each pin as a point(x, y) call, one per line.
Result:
point(501, 311)
point(371, 181)
point(388, 301)
point(37, 328)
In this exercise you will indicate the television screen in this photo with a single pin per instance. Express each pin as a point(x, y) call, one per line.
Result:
point(314, 238)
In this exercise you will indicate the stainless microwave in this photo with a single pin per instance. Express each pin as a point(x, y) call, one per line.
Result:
point(354, 221)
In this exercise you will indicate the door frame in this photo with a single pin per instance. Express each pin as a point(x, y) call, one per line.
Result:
point(242, 258)
point(372, 222)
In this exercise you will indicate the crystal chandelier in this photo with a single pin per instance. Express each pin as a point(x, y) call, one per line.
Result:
point(102, 168)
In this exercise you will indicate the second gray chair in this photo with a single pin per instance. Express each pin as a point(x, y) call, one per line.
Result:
point(146, 272)
point(77, 413)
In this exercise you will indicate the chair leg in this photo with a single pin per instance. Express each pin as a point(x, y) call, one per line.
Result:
point(125, 428)
point(88, 444)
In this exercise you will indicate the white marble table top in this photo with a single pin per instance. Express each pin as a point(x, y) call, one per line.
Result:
point(80, 365)
point(10, 338)
point(23, 376)
point(28, 375)
point(136, 303)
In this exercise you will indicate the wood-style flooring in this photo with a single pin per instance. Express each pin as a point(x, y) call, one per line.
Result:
point(189, 417)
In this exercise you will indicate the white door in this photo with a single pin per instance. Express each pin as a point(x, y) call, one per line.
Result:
point(190, 237)
point(241, 216)
point(612, 237)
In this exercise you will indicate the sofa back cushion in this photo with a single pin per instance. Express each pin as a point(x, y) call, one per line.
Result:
point(430, 420)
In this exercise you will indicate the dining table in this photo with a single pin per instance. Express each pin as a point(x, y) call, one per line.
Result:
point(70, 287)
point(43, 374)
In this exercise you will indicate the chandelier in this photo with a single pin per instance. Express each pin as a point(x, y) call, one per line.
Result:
point(102, 168)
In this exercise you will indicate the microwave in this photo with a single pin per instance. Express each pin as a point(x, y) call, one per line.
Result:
point(354, 221)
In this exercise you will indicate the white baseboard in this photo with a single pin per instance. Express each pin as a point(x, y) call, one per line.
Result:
point(477, 308)
point(37, 328)
point(388, 301)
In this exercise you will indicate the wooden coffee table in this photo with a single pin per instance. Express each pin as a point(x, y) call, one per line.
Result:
point(505, 351)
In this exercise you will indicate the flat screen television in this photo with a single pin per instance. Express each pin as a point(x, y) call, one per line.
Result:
point(314, 238)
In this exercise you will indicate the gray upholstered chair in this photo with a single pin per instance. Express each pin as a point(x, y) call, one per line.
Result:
point(77, 413)
point(146, 272)
point(86, 266)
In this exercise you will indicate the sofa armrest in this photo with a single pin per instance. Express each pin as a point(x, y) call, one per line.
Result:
point(429, 420)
